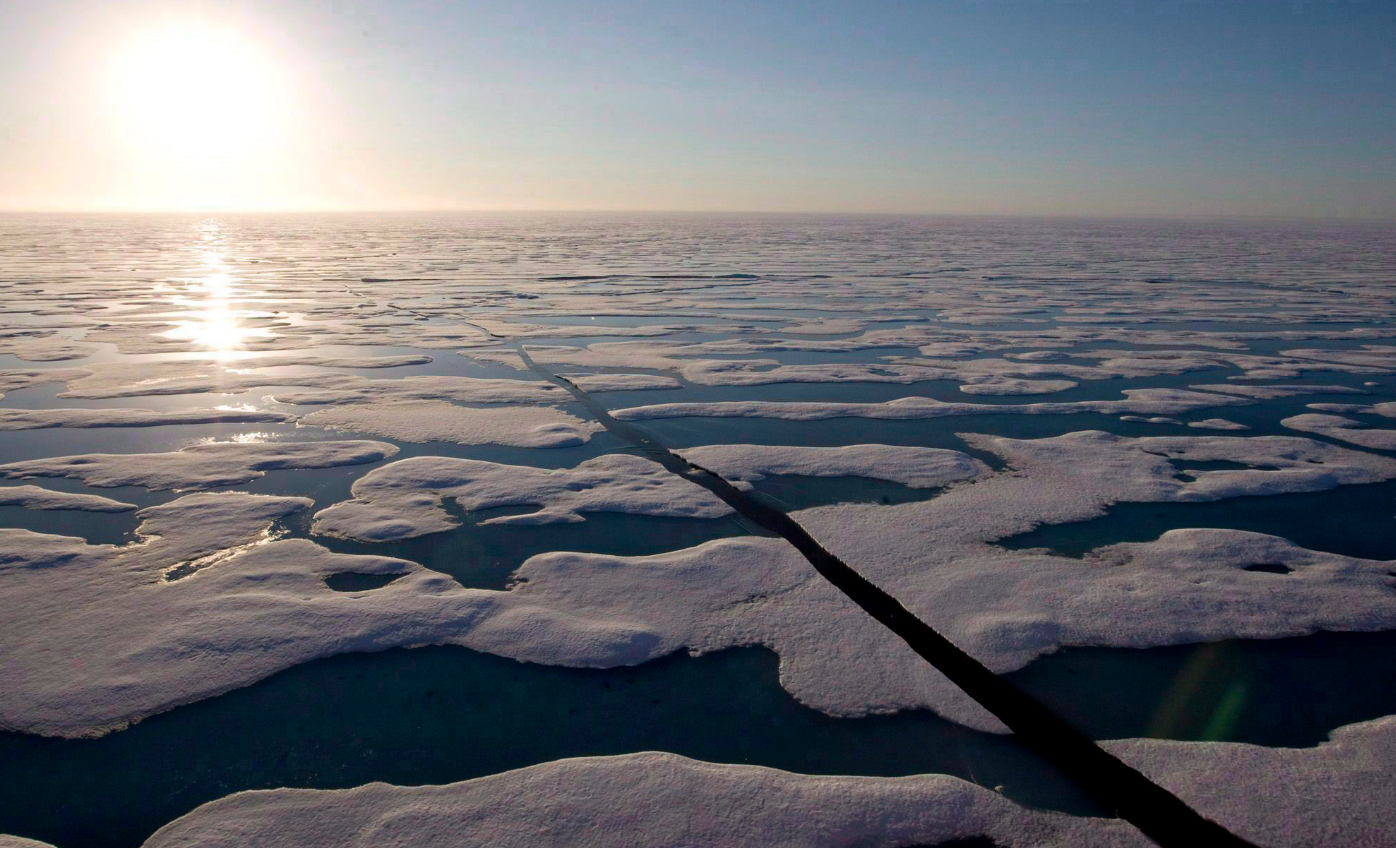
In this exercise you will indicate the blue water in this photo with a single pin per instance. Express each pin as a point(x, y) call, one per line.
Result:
point(438, 714)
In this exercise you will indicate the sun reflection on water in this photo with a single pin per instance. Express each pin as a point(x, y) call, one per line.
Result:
point(257, 437)
point(213, 323)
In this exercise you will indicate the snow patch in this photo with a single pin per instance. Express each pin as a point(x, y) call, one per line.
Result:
point(440, 421)
point(36, 497)
point(1342, 429)
point(916, 468)
point(199, 466)
point(402, 500)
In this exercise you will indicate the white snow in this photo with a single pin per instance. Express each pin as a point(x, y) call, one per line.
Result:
point(403, 499)
point(1386, 410)
point(1004, 608)
point(36, 348)
point(1137, 401)
point(35, 497)
point(916, 468)
point(645, 799)
point(994, 385)
point(264, 607)
point(1272, 392)
point(1380, 357)
point(621, 382)
point(440, 421)
point(199, 466)
point(1329, 795)
point(351, 388)
point(1342, 429)
point(259, 604)
point(184, 376)
point(37, 419)
point(1217, 424)
point(212, 596)
point(1335, 794)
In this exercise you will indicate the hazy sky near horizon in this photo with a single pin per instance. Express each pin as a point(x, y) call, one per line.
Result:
point(1273, 108)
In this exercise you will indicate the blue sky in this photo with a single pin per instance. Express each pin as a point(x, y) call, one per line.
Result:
point(1098, 108)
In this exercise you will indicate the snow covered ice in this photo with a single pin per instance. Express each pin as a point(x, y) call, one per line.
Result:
point(195, 506)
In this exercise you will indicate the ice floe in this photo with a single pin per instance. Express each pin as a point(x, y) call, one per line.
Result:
point(946, 359)
point(916, 468)
point(1015, 386)
point(653, 799)
point(584, 609)
point(1217, 424)
point(199, 466)
point(208, 600)
point(1137, 401)
point(213, 596)
point(441, 421)
point(1156, 419)
point(1374, 356)
point(1004, 608)
point(403, 499)
point(1342, 429)
point(348, 388)
point(1077, 475)
point(1329, 795)
point(1386, 410)
point(621, 382)
point(189, 376)
point(31, 346)
point(36, 497)
point(1273, 392)
point(38, 419)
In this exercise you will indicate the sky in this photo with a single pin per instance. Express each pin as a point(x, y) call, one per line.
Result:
point(1281, 108)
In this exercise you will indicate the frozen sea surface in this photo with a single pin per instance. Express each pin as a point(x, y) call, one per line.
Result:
point(282, 505)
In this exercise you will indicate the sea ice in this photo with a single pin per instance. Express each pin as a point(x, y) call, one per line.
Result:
point(1329, 795)
point(403, 499)
point(1217, 424)
point(32, 347)
point(1137, 401)
point(35, 497)
point(621, 382)
point(441, 421)
point(1015, 386)
point(37, 419)
point(1342, 429)
point(1005, 608)
point(349, 388)
point(193, 375)
point(652, 799)
point(916, 468)
point(1272, 392)
point(199, 466)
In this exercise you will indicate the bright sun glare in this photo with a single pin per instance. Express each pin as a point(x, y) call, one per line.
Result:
point(196, 92)
point(208, 301)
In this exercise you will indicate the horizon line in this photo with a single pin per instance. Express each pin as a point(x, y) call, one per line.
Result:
point(427, 210)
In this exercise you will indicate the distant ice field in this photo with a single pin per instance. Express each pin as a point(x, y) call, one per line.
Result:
point(298, 502)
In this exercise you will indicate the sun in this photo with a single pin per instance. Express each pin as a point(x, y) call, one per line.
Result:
point(197, 91)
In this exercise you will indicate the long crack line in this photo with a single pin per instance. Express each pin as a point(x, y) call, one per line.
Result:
point(1159, 814)
point(1116, 786)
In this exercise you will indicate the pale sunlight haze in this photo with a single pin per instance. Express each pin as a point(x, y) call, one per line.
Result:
point(1250, 109)
point(190, 91)
point(202, 111)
